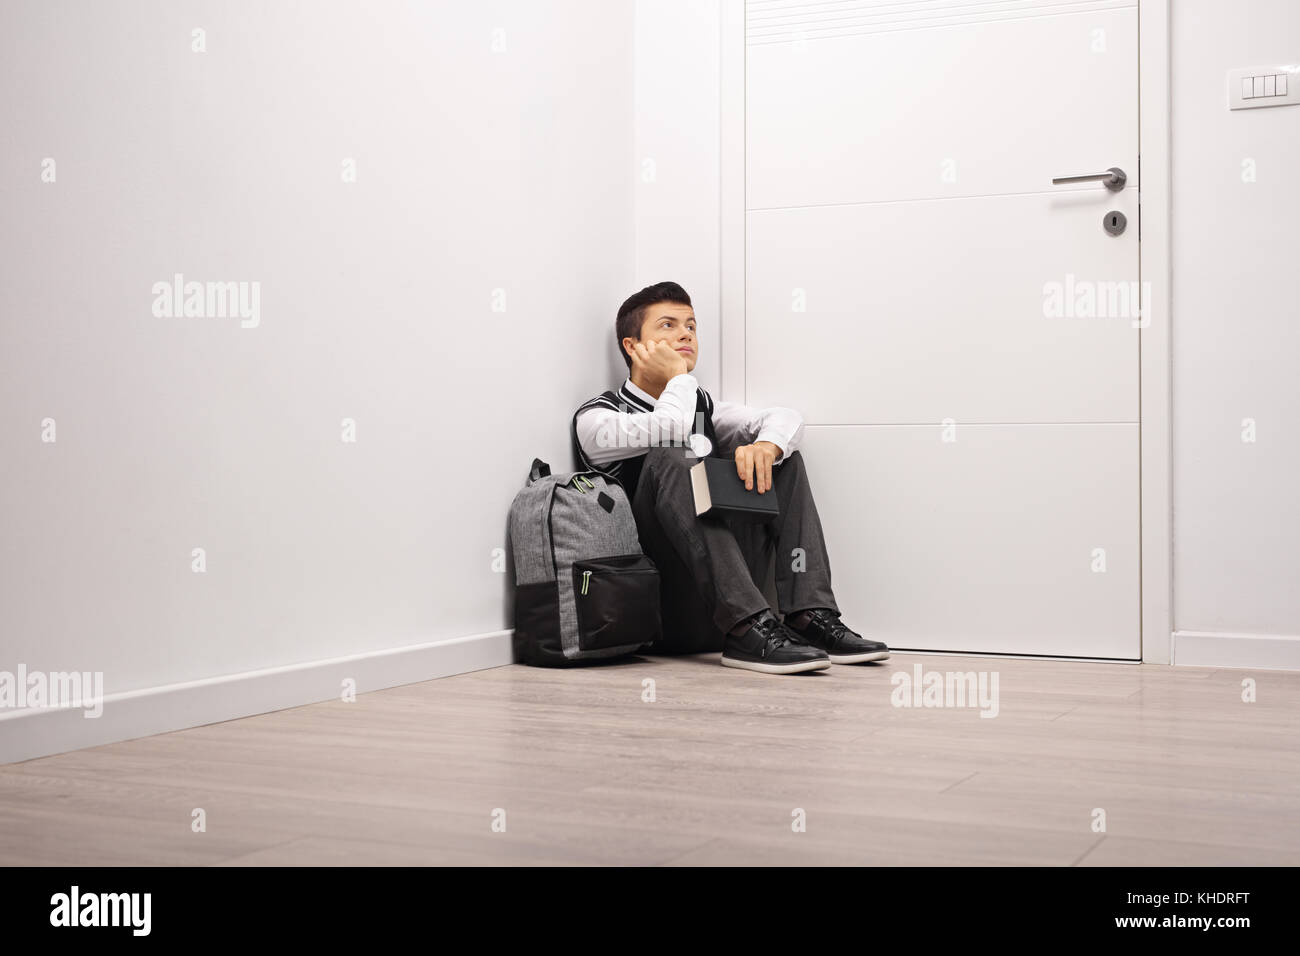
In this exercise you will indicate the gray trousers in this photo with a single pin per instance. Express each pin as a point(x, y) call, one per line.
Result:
point(713, 570)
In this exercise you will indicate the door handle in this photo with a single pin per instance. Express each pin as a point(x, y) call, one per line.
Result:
point(1114, 178)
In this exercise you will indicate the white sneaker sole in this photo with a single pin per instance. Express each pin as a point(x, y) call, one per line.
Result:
point(859, 658)
point(797, 668)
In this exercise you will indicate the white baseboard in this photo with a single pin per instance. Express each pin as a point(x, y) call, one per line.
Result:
point(1218, 649)
point(38, 732)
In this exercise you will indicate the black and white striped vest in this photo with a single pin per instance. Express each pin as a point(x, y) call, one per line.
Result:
point(626, 471)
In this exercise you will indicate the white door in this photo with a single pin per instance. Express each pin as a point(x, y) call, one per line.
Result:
point(960, 333)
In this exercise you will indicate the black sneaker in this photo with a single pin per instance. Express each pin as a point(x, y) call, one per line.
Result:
point(769, 647)
point(843, 646)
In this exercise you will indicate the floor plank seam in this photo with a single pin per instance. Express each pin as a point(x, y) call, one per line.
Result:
point(1099, 842)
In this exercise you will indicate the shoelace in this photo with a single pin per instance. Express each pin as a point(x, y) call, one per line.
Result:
point(835, 628)
point(774, 636)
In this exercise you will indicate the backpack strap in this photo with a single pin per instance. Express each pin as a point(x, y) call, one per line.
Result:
point(605, 399)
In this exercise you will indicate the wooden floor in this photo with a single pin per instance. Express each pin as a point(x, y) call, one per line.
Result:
point(709, 773)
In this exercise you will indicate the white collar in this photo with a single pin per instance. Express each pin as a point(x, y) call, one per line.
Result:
point(640, 392)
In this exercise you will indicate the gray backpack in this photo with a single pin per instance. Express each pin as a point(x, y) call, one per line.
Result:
point(584, 589)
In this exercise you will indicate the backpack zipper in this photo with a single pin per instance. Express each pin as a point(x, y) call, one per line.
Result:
point(550, 528)
point(586, 576)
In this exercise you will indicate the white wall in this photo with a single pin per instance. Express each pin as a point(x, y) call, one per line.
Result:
point(678, 190)
point(476, 171)
point(1236, 333)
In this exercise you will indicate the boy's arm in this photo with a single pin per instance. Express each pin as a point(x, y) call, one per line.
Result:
point(606, 435)
point(737, 424)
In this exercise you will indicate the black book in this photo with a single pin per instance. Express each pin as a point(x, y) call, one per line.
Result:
point(721, 492)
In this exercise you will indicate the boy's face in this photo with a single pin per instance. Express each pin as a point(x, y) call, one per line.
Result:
point(674, 325)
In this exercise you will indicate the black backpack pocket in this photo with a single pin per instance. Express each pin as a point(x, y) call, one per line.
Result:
point(617, 601)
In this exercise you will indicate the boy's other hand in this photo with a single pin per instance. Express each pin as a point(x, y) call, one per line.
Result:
point(755, 461)
point(658, 362)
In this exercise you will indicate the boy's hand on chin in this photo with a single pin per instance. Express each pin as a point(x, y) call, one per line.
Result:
point(658, 362)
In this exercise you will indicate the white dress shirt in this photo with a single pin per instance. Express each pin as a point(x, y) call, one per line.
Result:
point(607, 435)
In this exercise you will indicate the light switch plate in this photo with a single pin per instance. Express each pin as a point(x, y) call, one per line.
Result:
point(1252, 87)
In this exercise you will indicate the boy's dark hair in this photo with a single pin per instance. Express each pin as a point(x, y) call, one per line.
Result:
point(631, 314)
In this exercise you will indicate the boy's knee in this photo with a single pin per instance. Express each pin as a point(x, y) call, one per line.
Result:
point(666, 471)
